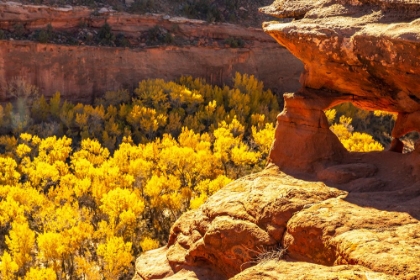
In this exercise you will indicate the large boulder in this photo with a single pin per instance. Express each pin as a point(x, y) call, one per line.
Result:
point(366, 232)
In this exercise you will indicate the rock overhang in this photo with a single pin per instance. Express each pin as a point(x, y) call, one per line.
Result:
point(368, 50)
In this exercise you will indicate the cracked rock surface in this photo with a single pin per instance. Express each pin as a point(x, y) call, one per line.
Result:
point(327, 232)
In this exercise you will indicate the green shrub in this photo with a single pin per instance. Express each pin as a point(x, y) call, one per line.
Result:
point(142, 6)
point(122, 41)
point(19, 30)
point(158, 35)
point(105, 34)
point(202, 9)
point(235, 42)
point(45, 35)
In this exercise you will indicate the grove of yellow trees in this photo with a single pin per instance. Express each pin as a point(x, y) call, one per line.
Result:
point(84, 189)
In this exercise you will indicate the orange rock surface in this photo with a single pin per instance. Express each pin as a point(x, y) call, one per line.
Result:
point(364, 52)
point(331, 232)
point(336, 215)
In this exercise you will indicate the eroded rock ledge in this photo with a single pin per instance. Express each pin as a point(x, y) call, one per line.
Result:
point(328, 232)
point(340, 215)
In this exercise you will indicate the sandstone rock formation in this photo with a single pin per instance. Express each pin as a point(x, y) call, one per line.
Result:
point(356, 234)
point(365, 52)
point(337, 215)
point(82, 72)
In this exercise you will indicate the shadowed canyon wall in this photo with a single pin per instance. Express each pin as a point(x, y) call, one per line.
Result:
point(82, 72)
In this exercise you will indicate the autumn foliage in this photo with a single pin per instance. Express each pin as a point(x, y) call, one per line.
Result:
point(87, 188)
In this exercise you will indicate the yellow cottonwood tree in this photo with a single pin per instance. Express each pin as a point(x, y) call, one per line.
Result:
point(21, 241)
point(116, 257)
point(8, 267)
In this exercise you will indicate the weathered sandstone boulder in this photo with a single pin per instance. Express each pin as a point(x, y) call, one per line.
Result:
point(365, 49)
point(285, 270)
point(365, 233)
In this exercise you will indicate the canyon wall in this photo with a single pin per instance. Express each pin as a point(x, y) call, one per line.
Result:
point(82, 72)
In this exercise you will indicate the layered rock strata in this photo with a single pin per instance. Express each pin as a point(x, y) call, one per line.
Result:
point(81, 73)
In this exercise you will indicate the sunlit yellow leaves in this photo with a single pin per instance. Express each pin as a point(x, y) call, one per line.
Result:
point(8, 267)
point(41, 274)
point(52, 149)
point(361, 142)
point(92, 151)
point(161, 190)
point(52, 246)
point(264, 138)
point(146, 119)
point(42, 174)
point(8, 173)
point(21, 241)
point(10, 211)
point(86, 269)
point(116, 257)
point(22, 150)
point(198, 201)
point(148, 243)
point(83, 205)
point(354, 141)
point(119, 201)
point(330, 114)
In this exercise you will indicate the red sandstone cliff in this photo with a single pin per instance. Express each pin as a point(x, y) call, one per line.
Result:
point(338, 215)
point(82, 72)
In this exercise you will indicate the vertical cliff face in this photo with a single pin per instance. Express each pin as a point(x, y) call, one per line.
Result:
point(342, 215)
point(82, 72)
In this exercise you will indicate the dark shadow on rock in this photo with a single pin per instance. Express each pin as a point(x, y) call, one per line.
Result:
point(386, 180)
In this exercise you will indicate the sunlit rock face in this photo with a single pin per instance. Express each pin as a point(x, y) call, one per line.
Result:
point(368, 50)
point(364, 52)
point(371, 229)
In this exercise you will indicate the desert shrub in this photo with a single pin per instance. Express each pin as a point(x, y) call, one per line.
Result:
point(44, 35)
point(265, 254)
point(374, 123)
point(105, 35)
point(235, 42)
point(19, 30)
point(158, 35)
point(85, 203)
point(202, 9)
point(142, 6)
point(122, 41)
